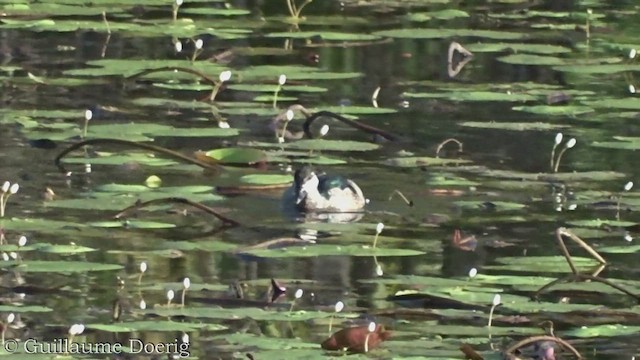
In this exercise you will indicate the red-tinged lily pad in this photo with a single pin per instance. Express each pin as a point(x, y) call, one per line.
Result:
point(354, 339)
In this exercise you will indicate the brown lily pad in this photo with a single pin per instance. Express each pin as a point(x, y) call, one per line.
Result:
point(353, 339)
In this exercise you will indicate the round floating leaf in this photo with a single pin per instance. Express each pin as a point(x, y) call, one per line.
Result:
point(266, 179)
point(324, 35)
point(474, 96)
point(555, 110)
point(250, 313)
point(272, 88)
point(24, 309)
point(331, 145)
point(237, 155)
point(414, 33)
point(132, 224)
point(531, 59)
point(489, 205)
point(214, 11)
point(415, 161)
point(64, 249)
point(64, 266)
point(629, 103)
point(598, 69)
point(331, 250)
point(597, 223)
point(155, 325)
point(446, 14)
point(518, 47)
point(547, 264)
point(603, 331)
point(513, 126)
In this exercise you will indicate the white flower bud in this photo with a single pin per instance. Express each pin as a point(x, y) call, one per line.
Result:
point(10, 318)
point(22, 241)
point(371, 327)
point(324, 130)
point(289, 115)
point(339, 306)
point(379, 228)
point(185, 338)
point(186, 283)
point(14, 188)
point(5, 256)
point(14, 255)
point(632, 89)
point(5, 186)
point(280, 140)
point(76, 329)
point(88, 114)
point(628, 186)
point(299, 293)
point(628, 237)
point(170, 295)
point(589, 11)
point(223, 125)
point(473, 272)
point(142, 305)
point(143, 267)
point(571, 143)
point(199, 44)
point(225, 75)
point(496, 300)
point(558, 138)
point(178, 46)
point(379, 271)
point(632, 53)
point(282, 79)
point(179, 2)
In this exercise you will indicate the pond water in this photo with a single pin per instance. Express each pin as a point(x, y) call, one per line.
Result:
point(495, 205)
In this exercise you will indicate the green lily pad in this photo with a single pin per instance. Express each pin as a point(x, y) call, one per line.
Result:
point(266, 179)
point(64, 266)
point(132, 224)
point(495, 205)
point(415, 161)
point(555, 110)
point(514, 126)
point(155, 325)
point(416, 33)
point(236, 156)
point(517, 47)
point(331, 250)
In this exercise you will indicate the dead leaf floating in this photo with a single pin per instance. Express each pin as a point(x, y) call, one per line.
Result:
point(353, 339)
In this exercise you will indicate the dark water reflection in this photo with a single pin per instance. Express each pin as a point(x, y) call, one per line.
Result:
point(398, 67)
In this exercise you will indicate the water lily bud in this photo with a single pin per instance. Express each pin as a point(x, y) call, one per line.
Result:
point(185, 338)
point(280, 140)
point(76, 329)
point(289, 115)
point(632, 89)
point(339, 306)
point(170, 295)
point(628, 186)
point(14, 255)
point(88, 114)
point(473, 272)
point(143, 267)
point(5, 186)
point(589, 11)
point(178, 46)
point(299, 293)
point(379, 228)
point(572, 207)
point(571, 143)
point(14, 188)
point(558, 138)
point(22, 241)
point(632, 53)
point(199, 44)
point(628, 237)
point(225, 75)
point(324, 130)
point(10, 318)
point(372, 327)
point(186, 283)
point(179, 2)
point(223, 125)
point(379, 271)
point(142, 305)
point(496, 300)
point(282, 79)
point(5, 256)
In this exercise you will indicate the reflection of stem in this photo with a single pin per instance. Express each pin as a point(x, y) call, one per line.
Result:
point(534, 339)
point(106, 42)
point(330, 324)
point(442, 144)
point(553, 154)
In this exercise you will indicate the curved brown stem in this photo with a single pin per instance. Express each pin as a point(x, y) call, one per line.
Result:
point(565, 252)
point(198, 73)
point(533, 339)
point(172, 200)
point(158, 149)
point(311, 117)
point(442, 144)
point(581, 277)
point(583, 244)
